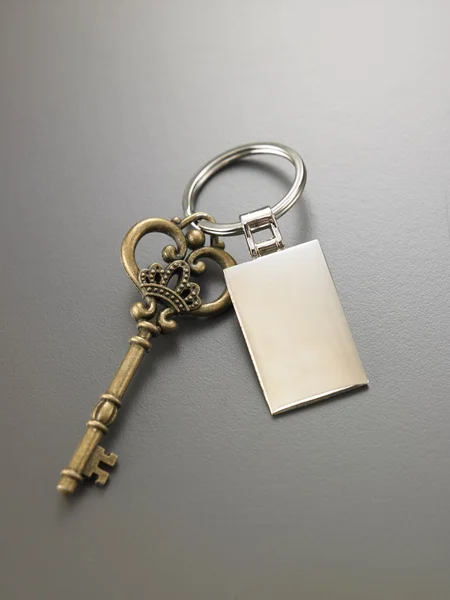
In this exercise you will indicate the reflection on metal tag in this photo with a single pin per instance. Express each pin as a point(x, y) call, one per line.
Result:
point(295, 327)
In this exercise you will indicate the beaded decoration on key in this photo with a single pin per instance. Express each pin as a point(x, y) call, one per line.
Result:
point(156, 314)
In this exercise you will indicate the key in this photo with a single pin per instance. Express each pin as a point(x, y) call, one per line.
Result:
point(167, 293)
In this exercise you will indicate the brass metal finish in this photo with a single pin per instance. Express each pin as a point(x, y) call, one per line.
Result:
point(295, 327)
point(156, 314)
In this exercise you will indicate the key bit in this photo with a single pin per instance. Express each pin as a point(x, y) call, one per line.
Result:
point(93, 465)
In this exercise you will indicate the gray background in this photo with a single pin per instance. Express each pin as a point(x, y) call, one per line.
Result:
point(106, 109)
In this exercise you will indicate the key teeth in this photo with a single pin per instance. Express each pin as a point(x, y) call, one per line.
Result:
point(93, 465)
point(109, 458)
point(102, 477)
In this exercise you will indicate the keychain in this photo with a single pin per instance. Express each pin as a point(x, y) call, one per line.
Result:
point(302, 352)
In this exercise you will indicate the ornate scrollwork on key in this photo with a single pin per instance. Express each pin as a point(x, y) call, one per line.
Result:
point(155, 283)
point(168, 292)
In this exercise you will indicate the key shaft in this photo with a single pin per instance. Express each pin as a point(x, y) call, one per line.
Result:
point(105, 413)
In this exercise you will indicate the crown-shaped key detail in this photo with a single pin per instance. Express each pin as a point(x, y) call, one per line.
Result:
point(155, 280)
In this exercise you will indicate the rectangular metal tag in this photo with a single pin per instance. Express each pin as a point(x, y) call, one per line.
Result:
point(295, 327)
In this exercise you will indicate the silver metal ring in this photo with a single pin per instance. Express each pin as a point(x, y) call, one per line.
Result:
point(223, 160)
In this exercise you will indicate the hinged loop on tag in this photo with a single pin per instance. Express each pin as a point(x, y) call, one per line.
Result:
point(260, 220)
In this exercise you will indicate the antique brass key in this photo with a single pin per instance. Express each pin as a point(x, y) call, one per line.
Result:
point(167, 292)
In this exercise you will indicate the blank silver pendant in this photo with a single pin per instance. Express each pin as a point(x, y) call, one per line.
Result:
point(295, 327)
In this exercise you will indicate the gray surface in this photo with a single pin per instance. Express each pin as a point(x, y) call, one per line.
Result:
point(106, 109)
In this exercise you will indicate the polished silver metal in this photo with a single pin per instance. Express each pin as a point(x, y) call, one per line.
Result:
point(260, 220)
point(223, 160)
point(295, 327)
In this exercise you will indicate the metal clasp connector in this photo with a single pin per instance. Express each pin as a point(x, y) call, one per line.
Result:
point(259, 220)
